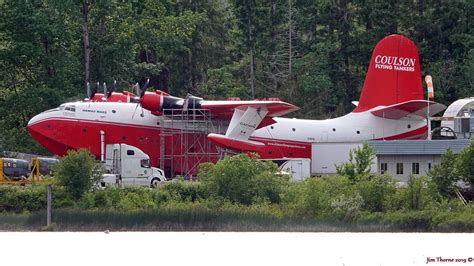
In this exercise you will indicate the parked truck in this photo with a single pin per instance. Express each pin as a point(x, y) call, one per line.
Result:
point(297, 168)
point(127, 165)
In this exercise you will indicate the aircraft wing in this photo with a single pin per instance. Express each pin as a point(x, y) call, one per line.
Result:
point(415, 107)
point(225, 109)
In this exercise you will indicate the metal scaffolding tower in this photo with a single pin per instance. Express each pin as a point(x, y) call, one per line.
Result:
point(187, 131)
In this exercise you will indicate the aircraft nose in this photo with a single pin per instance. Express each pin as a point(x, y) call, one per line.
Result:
point(34, 120)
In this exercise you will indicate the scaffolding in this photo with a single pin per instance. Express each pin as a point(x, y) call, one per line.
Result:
point(183, 141)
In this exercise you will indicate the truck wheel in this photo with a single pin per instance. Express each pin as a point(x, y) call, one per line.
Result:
point(154, 183)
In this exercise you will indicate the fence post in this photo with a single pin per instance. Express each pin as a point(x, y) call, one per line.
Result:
point(48, 208)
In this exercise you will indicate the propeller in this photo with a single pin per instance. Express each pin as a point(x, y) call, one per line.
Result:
point(114, 87)
point(90, 91)
point(136, 88)
point(140, 93)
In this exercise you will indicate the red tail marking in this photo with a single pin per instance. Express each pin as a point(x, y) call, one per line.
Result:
point(393, 76)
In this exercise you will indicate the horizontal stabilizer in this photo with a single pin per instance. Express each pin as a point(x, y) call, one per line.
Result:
point(236, 144)
point(415, 107)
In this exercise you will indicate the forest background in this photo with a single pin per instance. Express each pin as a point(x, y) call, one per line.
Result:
point(313, 54)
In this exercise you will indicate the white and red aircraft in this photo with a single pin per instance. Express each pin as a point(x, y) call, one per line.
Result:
point(391, 106)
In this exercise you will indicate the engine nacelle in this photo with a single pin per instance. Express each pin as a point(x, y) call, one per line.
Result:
point(158, 100)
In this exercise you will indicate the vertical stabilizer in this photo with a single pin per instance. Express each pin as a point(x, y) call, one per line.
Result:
point(393, 75)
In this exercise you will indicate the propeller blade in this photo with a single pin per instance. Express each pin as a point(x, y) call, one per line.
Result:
point(114, 87)
point(89, 92)
point(142, 90)
point(136, 89)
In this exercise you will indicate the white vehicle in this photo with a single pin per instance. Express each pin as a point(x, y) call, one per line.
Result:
point(129, 166)
point(297, 168)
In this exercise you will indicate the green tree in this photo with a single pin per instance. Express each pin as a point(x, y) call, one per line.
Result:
point(243, 179)
point(77, 172)
point(359, 165)
point(444, 174)
point(465, 164)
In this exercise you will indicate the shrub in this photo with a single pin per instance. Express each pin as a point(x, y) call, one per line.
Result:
point(376, 192)
point(77, 172)
point(185, 191)
point(419, 194)
point(269, 186)
point(444, 174)
point(325, 197)
point(20, 199)
point(237, 179)
point(454, 222)
point(465, 164)
point(123, 199)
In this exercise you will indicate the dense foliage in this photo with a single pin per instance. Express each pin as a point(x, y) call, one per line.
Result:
point(242, 179)
point(77, 172)
point(311, 53)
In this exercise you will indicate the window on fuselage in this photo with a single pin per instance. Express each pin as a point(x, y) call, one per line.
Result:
point(130, 152)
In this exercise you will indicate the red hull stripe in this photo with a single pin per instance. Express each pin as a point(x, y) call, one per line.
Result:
point(419, 133)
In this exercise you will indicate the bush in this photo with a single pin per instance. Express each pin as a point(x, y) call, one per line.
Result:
point(326, 197)
point(419, 193)
point(376, 192)
point(444, 174)
point(242, 179)
point(465, 164)
point(123, 199)
point(184, 191)
point(21, 199)
point(77, 172)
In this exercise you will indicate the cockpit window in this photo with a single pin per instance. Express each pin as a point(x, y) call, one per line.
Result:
point(71, 108)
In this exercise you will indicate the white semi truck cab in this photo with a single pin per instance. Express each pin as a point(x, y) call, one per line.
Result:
point(129, 166)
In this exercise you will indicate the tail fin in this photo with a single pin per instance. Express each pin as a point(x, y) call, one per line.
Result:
point(393, 76)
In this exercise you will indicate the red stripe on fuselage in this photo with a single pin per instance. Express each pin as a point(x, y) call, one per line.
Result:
point(419, 133)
